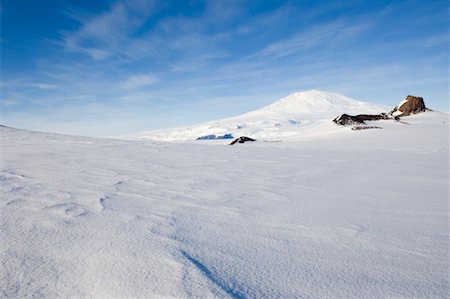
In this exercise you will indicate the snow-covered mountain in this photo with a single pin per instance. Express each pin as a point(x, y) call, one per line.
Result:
point(289, 116)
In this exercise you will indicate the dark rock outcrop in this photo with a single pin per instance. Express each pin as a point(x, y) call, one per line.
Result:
point(242, 139)
point(410, 105)
point(359, 119)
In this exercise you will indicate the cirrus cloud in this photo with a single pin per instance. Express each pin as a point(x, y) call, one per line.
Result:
point(138, 81)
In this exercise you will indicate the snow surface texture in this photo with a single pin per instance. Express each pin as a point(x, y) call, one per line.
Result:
point(347, 214)
point(284, 118)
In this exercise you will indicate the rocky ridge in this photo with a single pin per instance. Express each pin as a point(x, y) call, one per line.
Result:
point(410, 105)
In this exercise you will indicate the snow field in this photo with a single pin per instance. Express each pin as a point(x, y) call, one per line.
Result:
point(339, 215)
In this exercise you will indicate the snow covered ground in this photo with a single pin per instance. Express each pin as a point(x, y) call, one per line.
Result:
point(331, 213)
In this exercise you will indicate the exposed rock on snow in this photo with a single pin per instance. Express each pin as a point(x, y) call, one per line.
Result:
point(242, 139)
point(410, 105)
point(346, 119)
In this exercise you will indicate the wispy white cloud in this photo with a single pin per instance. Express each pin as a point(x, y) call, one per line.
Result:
point(104, 35)
point(9, 102)
point(122, 32)
point(325, 34)
point(138, 97)
point(11, 84)
point(436, 40)
point(41, 85)
point(138, 81)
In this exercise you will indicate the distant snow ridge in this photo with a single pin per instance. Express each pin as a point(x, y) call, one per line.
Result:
point(289, 116)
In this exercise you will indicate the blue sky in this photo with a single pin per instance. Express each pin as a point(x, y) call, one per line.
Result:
point(105, 68)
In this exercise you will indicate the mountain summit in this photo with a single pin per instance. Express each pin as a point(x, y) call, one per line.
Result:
point(283, 118)
point(315, 104)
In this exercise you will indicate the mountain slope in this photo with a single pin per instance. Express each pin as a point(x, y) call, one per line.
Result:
point(286, 117)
